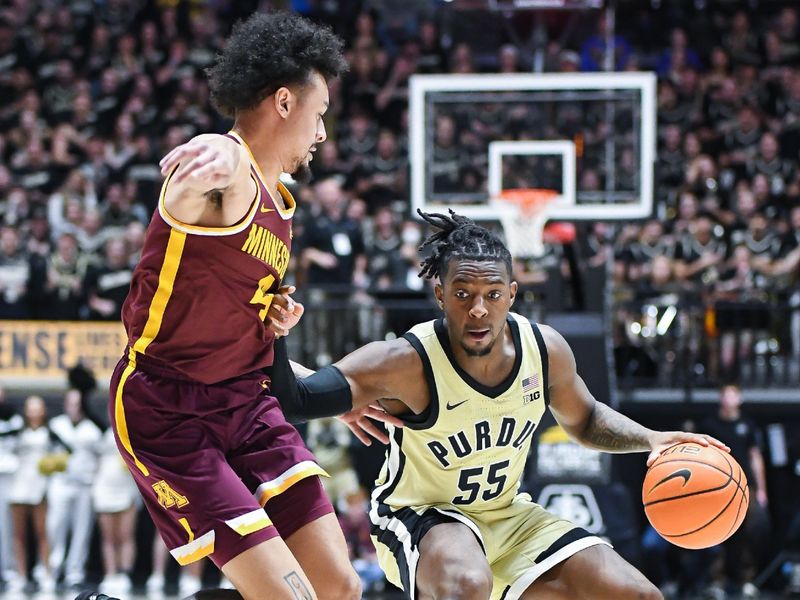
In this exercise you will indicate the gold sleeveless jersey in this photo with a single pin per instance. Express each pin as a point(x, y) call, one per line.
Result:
point(468, 449)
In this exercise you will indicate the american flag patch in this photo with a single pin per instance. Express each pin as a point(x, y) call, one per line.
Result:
point(530, 382)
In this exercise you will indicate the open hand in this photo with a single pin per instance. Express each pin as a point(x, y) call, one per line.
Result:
point(661, 440)
point(358, 421)
point(205, 164)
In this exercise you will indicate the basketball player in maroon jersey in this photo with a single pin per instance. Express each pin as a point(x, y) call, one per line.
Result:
point(221, 471)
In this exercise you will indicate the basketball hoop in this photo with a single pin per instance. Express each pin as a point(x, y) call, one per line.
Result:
point(523, 214)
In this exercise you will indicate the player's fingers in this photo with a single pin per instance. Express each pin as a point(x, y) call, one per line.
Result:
point(277, 313)
point(359, 433)
point(299, 310)
point(372, 430)
point(177, 155)
point(168, 157)
point(284, 300)
point(211, 172)
point(277, 328)
point(652, 457)
point(191, 165)
point(280, 301)
point(719, 444)
point(201, 166)
point(381, 415)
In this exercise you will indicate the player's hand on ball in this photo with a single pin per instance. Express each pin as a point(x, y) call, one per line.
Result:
point(661, 440)
point(284, 313)
point(358, 421)
point(204, 163)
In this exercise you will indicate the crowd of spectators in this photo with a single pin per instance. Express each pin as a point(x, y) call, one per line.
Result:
point(93, 93)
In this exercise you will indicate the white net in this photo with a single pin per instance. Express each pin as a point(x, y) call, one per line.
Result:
point(523, 215)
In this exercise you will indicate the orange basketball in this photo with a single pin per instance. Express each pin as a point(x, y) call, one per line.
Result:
point(695, 496)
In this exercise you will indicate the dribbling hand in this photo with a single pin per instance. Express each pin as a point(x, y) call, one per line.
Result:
point(284, 313)
point(661, 440)
point(207, 162)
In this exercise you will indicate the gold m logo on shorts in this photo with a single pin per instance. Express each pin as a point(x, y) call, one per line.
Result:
point(167, 497)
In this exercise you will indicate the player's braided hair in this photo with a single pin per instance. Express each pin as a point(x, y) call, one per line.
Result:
point(460, 238)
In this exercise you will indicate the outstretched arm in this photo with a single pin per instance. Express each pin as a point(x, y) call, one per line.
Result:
point(597, 425)
point(389, 372)
point(377, 381)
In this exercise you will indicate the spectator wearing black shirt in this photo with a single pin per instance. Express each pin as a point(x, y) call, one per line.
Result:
point(792, 239)
point(742, 140)
point(788, 33)
point(767, 161)
point(333, 244)
point(383, 177)
point(361, 84)
point(328, 162)
point(720, 107)
point(142, 168)
point(741, 434)
point(33, 169)
point(83, 118)
point(14, 275)
point(740, 41)
point(106, 286)
point(700, 251)
point(446, 156)
point(388, 267)
point(432, 56)
point(120, 209)
point(640, 253)
point(65, 270)
point(671, 160)
point(758, 237)
point(359, 140)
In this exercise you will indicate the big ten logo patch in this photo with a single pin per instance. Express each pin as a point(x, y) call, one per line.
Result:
point(575, 503)
point(167, 497)
point(532, 397)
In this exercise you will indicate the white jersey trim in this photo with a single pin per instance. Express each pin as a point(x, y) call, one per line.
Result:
point(391, 523)
point(525, 580)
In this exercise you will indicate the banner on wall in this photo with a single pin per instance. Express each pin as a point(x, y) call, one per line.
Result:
point(38, 353)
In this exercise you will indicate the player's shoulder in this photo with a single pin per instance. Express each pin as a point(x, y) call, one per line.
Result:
point(550, 336)
point(538, 329)
point(421, 331)
point(556, 348)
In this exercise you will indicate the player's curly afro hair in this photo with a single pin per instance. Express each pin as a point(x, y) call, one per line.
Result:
point(267, 51)
point(459, 238)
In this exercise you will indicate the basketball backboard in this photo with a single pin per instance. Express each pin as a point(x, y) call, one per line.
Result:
point(588, 136)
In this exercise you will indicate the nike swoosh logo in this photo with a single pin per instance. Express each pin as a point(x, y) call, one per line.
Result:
point(265, 209)
point(686, 474)
point(452, 406)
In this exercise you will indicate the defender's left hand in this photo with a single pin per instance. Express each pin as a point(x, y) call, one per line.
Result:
point(358, 421)
point(661, 440)
point(284, 313)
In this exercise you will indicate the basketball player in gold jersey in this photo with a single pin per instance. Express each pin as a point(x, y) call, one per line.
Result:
point(447, 518)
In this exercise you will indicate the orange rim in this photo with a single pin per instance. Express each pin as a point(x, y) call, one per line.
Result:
point(530, 200)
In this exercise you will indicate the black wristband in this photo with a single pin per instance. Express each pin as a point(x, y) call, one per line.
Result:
point(326, 393)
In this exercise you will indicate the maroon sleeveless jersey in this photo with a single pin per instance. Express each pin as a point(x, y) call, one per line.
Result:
point(199, 295)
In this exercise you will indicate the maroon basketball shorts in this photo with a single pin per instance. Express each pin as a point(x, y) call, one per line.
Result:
point(218, 466)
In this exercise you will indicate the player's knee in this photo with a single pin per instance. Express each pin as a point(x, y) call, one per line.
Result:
point(469, 583)
point(345, 586)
